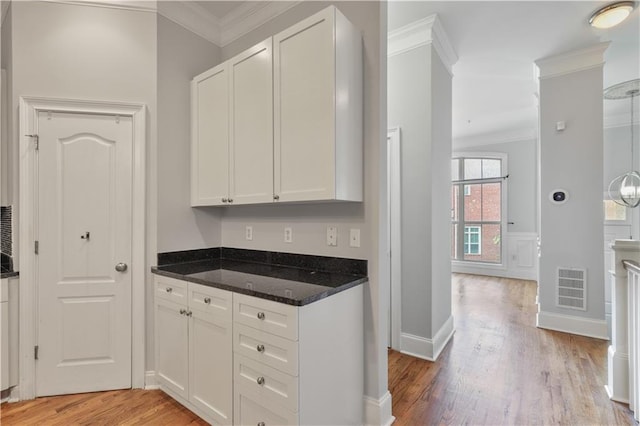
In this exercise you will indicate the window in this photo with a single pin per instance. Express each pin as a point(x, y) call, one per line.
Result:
point(477, 199)
point(472, 238)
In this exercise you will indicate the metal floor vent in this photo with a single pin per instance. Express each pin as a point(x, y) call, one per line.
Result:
point(572, 291)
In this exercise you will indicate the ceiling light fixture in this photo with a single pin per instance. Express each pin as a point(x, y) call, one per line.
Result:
point(625, 189)
point(611, 15)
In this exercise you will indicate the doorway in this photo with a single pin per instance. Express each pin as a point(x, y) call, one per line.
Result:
point(82, 239)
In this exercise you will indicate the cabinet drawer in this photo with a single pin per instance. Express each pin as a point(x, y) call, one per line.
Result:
point(265, 315)
point(249, 411)
point(210, 300)
point(274, 351)
point(266, 383)
point(171, 289)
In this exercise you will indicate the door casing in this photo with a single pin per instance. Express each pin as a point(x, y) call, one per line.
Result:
point(29, 109)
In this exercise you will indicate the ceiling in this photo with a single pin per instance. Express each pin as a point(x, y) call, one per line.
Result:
point(220, 9)
point(497, 43)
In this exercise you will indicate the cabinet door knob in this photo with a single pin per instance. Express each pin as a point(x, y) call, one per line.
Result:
point(276, 197)
point(168, 289)
point(231, 200)
point(207, 300)
point(260, 315)
point(189, 313)
point(183, 311)
point(262, 424)
point(260, 348)
point(224, 200)
point(260, 380)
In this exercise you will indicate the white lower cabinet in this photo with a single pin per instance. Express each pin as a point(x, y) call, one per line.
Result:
point(242, 360)
point(193, 348)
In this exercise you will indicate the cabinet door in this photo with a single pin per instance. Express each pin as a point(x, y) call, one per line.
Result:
point(211, 365)
point(251, 118)
point(172, 345)
point(210, 137)
point(250, 412)
point(304, 95)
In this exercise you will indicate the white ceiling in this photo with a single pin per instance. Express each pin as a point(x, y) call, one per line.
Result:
point(497, 43)
point(220, 9)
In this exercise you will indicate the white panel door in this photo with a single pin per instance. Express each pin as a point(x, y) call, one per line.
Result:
point(304, 92)
point(84, 230)
point(210, 137)
point(251, 115)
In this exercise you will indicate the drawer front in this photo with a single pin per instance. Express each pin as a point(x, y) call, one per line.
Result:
point(210, 300)
point(265, 315)
point(266, 383)
point(171, 289)
point(249, 411)
point(274, 351)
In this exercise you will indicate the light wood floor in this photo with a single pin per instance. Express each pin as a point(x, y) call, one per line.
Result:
point(498, 369)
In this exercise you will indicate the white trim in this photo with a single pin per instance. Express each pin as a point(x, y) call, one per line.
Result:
point(194, 18)
point(378, 411)
point(150, 382)
point(249, 16)
point(138, 6)
point(423, 32)
point(29, 108)
point(574, 61)
point(573, 324)
point(466, 142)
point(395, 241)
point(4, 8)
point(428, 349)
point(617, 386)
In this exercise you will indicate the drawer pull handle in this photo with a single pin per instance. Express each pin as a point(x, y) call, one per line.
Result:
point(168, 289)
point(183, 311)
point(207, 300)
point(260, 315)
point(260, 380)
point(260, 348)
point(189, 313)
point(262, 424)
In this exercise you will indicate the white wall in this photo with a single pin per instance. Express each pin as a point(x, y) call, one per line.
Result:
point(181, 55)
point(571, 233)
point(85, 52)
point(419, 102)
point(309, 222)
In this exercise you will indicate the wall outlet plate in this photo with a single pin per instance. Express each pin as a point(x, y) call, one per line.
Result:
point(332, 236)
point(248, 232)
point(288, 235)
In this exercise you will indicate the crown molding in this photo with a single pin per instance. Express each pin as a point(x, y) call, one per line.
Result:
point(522, 135)
point(137, 5)
point(194, 18)
point(574, 61)
point(423, 32)
point(249, 16)
point(4, 7)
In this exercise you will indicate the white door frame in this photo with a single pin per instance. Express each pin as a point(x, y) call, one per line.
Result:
point(29, 109)
point(394, 167)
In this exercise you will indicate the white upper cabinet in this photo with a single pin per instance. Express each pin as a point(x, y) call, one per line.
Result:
point(210, 137)
point(318, 110)
point(251, 114)
point(282, 121)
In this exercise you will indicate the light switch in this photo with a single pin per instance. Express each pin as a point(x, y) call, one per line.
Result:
point(354, 237)
point(332, 236)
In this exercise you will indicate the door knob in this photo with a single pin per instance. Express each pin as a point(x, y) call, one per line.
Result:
point(121, 267)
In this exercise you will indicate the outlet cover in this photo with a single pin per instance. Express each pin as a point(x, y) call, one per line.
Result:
point(248, 232)
point(288, 235)
point(332, 236)
point(354, 237)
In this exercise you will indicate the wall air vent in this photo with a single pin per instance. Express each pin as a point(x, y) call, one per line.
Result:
point(572, 289)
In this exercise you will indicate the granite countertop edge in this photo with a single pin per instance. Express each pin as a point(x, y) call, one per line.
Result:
point(9, 274)
point(357, 280)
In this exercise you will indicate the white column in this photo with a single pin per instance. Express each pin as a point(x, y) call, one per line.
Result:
point(618, 355)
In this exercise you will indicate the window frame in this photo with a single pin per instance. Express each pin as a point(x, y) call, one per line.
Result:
point(478, 232)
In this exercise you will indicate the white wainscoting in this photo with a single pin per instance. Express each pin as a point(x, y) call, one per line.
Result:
point(521, 260)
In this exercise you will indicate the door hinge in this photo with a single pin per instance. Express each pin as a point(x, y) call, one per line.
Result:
point(36, 349)
point(36, 247)
point(36, 139)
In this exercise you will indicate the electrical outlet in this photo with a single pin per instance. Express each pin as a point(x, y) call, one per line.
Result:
point(354, 237)
point(288, 235)
point(332, 236)
point(248, 232)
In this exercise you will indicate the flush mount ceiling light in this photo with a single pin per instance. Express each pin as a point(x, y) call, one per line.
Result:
point(625, 189)
point(611, 15)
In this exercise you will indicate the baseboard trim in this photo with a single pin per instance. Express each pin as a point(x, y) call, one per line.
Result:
point(428, 349)
point(378, 411)
point(516, 274)
point(617, 375)
point(150, 382)
point(572, 324)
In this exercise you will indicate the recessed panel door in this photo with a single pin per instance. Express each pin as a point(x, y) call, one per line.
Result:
point(84, 234)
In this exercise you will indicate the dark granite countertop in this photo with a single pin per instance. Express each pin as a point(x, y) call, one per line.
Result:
point(280, 283)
